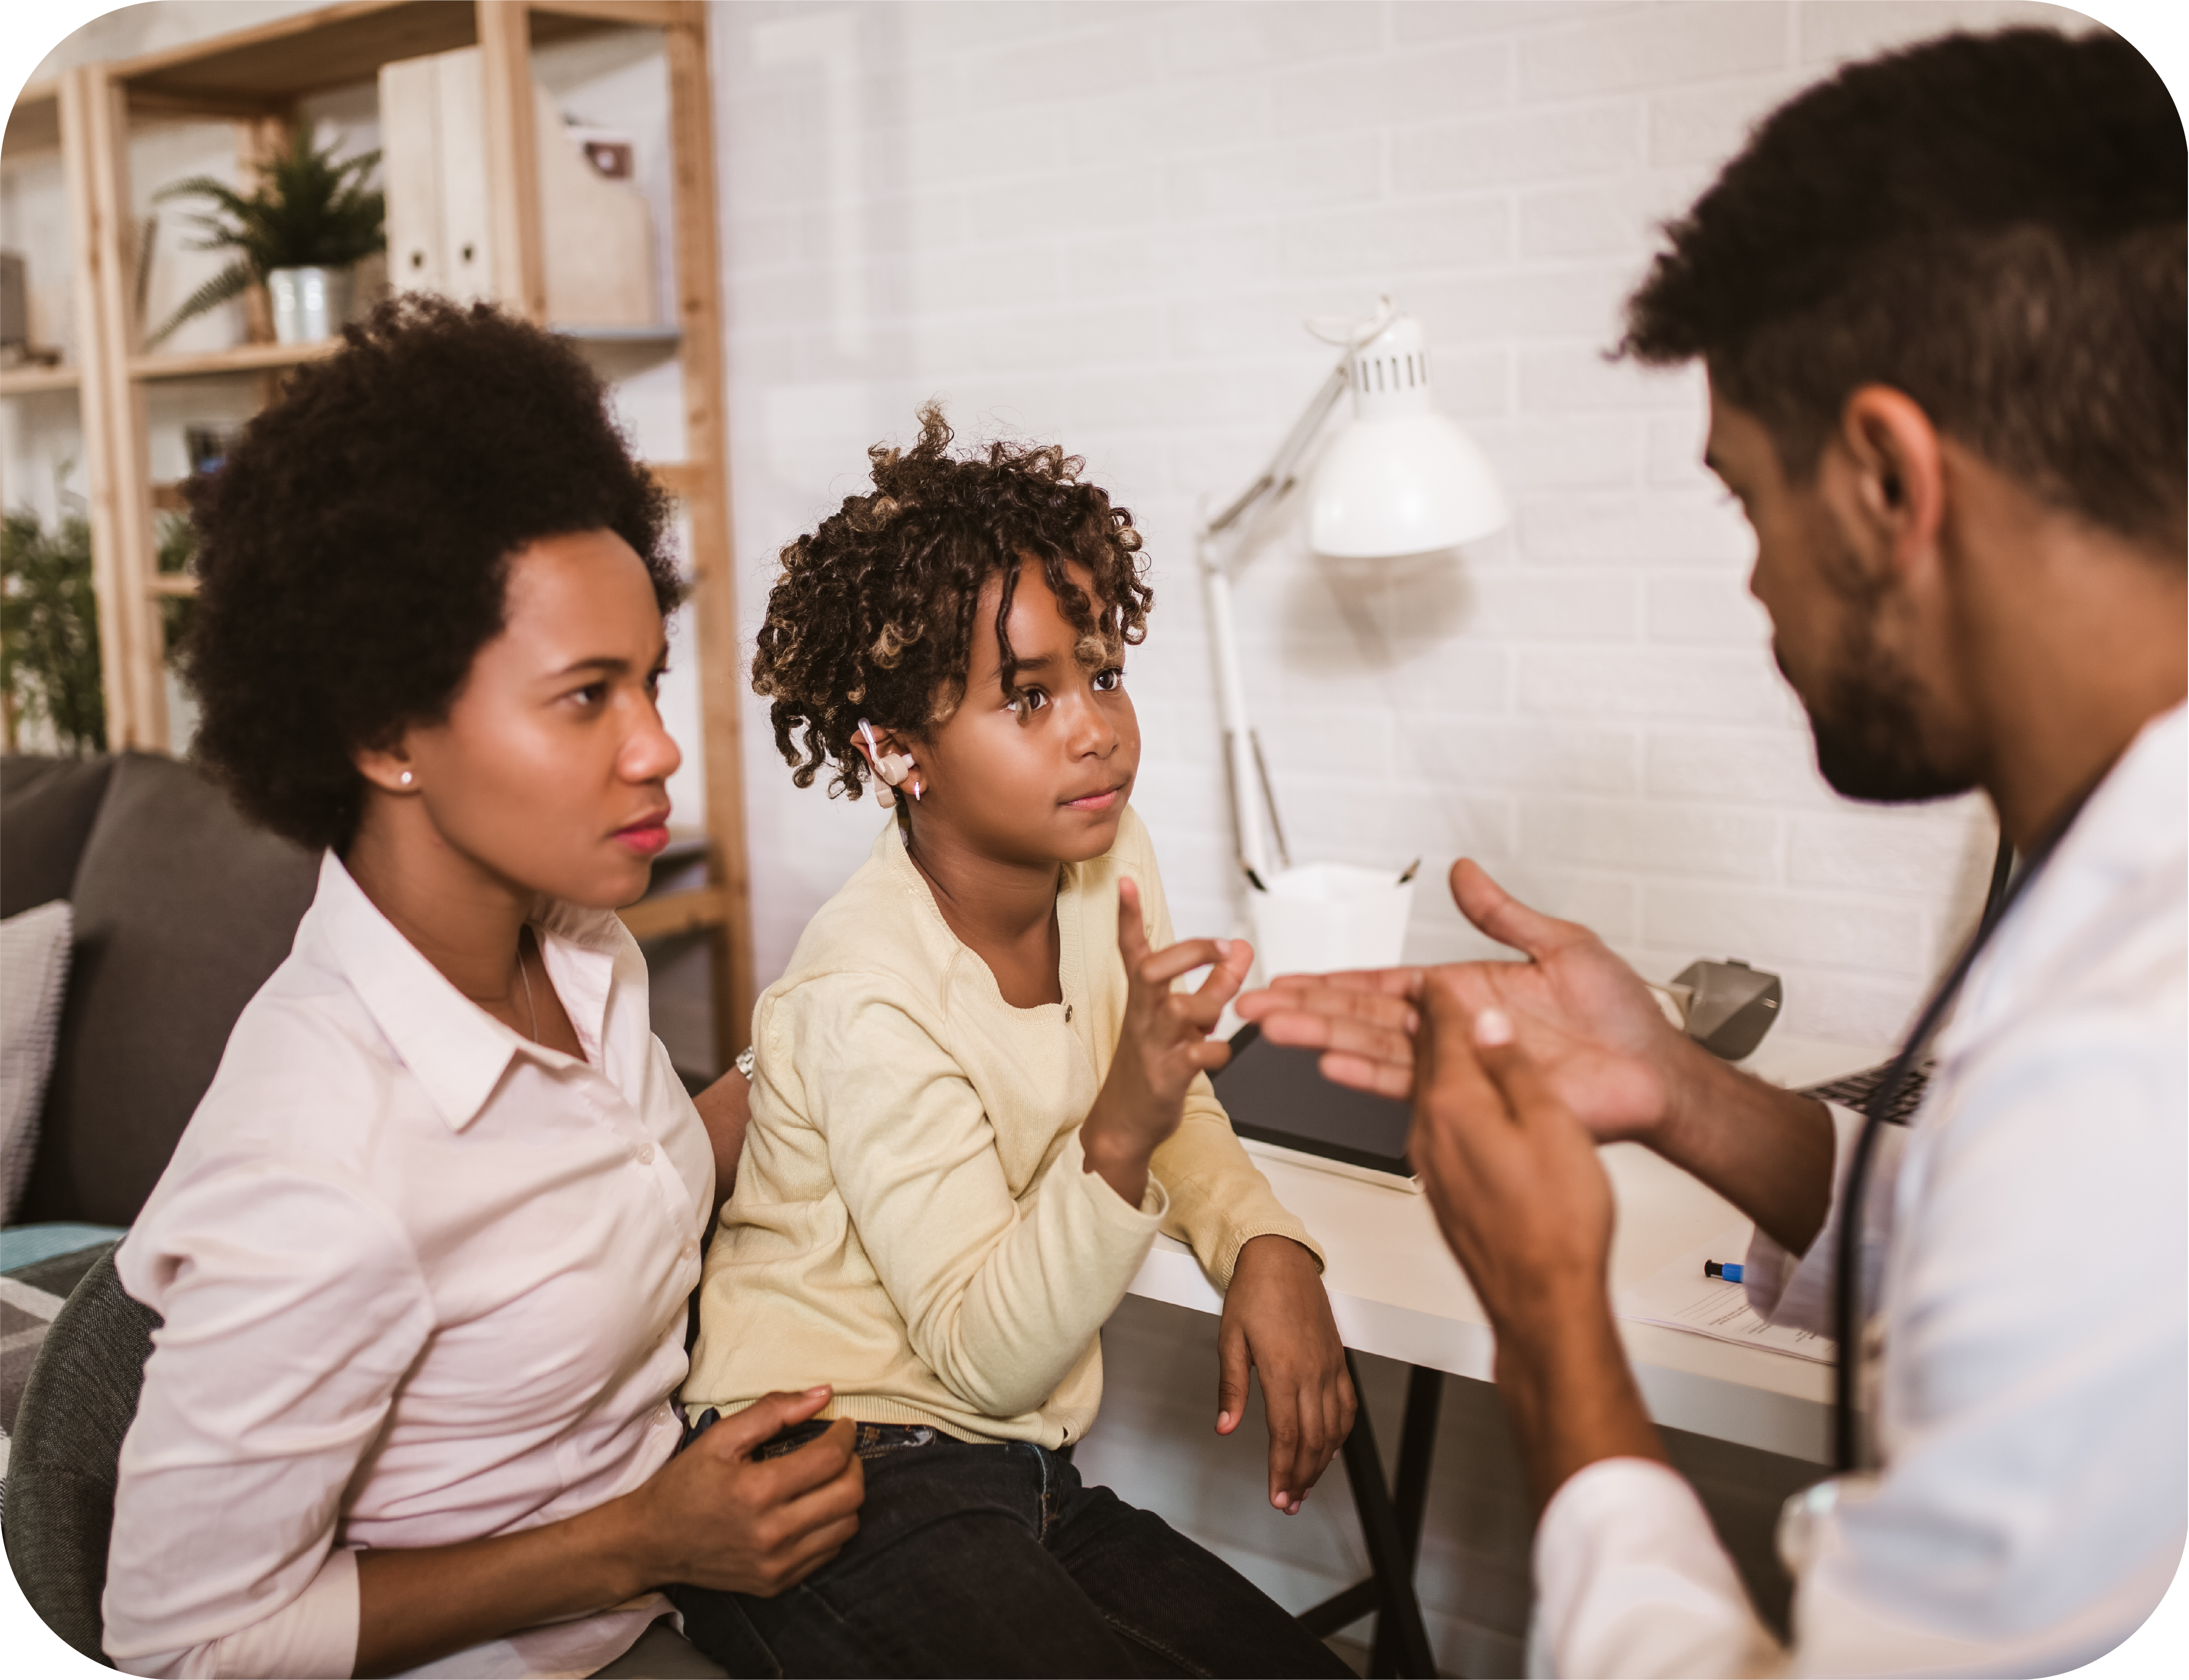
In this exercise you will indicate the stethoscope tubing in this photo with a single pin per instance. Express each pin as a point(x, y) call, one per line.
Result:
point(2007, 886)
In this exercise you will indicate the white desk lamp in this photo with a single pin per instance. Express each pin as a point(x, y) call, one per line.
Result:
point(1402, 479)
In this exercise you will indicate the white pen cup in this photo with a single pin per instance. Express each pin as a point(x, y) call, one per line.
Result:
point(1320, 917)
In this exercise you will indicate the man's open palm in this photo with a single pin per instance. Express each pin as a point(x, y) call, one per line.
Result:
point(1580, 1014)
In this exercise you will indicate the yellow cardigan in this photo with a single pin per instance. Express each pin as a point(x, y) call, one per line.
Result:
point(913, 1222)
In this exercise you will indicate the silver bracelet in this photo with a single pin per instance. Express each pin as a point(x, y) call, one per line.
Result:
point(744, 1062)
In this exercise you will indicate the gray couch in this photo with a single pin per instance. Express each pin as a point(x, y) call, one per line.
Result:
point(182, 910)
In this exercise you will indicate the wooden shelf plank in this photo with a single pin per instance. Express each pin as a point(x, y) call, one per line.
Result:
point(304, 53)
point(23, 381)
point(649, 14)
point(668, 337)
point(278, 62)
point(243, 359)
point(675, 913)
point(683, 479)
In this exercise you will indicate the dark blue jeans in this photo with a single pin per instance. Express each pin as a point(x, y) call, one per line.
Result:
point(997, 1560)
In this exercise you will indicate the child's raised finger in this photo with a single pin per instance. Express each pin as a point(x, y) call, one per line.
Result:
point(1132, 938)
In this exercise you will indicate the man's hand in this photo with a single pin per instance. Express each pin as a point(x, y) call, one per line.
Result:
point(1522, 1200)
point(1276, 1320)
point(1162, 1046)
point(1581, 1015)
point(1601, 1046)
point(714, 1518)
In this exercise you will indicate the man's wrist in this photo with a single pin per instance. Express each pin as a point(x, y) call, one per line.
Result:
point(1698, 1087)
point(1571, 1398)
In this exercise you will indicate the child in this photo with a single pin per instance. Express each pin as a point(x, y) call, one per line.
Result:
point(977, 1099)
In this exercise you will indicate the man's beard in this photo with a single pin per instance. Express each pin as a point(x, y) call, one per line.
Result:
point(1868, 724)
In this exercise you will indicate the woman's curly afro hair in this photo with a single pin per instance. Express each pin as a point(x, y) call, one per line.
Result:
point(873, 616)
point(353, 546)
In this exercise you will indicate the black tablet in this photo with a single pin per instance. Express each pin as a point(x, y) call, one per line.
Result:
point(1276, 1096)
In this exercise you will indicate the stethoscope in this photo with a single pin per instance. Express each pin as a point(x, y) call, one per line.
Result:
point(2007, 886)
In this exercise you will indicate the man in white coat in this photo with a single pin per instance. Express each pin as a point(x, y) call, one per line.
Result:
point(1941, 302)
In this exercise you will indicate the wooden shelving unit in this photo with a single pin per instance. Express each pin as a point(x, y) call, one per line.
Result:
point(29, 381)
point(243, 359)
point(253, 79)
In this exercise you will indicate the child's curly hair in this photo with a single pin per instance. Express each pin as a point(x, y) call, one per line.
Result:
point(873, 616)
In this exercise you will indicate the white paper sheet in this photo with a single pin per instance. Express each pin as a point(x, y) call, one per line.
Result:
point(1682, 1298)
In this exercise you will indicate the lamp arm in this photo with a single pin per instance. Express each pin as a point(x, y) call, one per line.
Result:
point(1277, 476)
point(1244, 774)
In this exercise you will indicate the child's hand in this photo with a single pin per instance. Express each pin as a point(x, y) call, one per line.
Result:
point(1163, 1044)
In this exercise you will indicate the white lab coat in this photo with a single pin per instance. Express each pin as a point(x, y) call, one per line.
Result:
point(2032, 1396)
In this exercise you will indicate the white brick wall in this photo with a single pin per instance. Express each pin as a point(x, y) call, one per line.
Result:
point(1103, 225)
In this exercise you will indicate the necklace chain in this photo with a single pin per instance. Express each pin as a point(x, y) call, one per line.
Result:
point(524, 972)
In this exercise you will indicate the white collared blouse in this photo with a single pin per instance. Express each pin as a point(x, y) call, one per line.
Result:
point(422, 1281)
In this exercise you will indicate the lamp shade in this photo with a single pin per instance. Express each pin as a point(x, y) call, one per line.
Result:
point(1402, 479)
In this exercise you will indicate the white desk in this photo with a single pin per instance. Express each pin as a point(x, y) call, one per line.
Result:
point(1396, 1291)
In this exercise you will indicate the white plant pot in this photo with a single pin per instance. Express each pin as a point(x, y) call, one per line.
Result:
point(1320, 917)
point(310, 305)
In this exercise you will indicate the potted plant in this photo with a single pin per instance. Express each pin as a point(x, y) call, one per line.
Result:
point(310, 219)
point(49, 633)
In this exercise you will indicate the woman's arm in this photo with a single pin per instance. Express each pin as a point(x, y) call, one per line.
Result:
point(293, 1312)
point(710, 1517)
point(725, 1107)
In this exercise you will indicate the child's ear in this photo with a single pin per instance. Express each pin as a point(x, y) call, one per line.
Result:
point(887, 758)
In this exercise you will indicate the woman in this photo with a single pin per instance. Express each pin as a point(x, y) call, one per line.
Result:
point(424, 1252)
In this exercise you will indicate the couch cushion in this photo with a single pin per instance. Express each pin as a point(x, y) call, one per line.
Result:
point(182, 911)
point(34, 959)
point(46, 806)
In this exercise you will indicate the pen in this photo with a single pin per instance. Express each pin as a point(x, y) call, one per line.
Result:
point(1715, 1268)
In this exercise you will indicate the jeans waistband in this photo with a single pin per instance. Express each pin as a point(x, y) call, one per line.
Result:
point(870, 1440)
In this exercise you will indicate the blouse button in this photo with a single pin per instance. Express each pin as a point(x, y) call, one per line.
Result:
point(645, 1155)
point(690, 1251)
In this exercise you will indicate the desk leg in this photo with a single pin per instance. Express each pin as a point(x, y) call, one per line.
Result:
point(1410, 1501)
point(1392, 1532)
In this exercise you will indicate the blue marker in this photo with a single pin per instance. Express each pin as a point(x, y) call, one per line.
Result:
point(1713, 1269)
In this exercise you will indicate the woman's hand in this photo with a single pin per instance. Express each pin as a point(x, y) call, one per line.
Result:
point(709, 1516)
point(1276, 1320)
point(1163, 1045)
point(714, 1518)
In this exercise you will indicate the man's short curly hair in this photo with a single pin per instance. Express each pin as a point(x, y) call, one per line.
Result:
point(873, 616)
point(353, 546)
point(1992, 224)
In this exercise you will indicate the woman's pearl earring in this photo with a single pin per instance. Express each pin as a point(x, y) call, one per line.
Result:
point(405, 778)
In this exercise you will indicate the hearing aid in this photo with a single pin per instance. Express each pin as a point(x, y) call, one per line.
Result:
point(891, 768)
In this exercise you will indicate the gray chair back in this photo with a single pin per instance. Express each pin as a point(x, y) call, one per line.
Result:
point(64, 1455)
